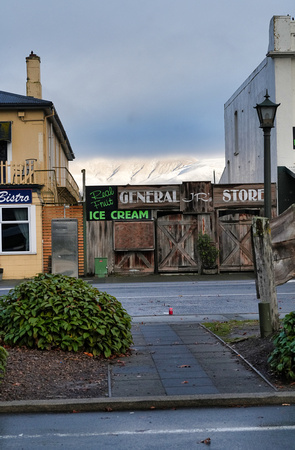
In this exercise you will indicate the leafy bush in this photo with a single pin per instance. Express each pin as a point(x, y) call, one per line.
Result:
point(56, 311)
point(207, 251)
point(3, 360)
point(282, 358)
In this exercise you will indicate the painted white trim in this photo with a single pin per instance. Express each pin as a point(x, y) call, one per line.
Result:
point(32, 229)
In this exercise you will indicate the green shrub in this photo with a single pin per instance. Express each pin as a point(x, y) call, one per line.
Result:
point(282, 358)
point(3, 360)
point(56, 311)
point(208, 253)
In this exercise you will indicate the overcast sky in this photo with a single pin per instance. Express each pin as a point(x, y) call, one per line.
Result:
point(138, 78)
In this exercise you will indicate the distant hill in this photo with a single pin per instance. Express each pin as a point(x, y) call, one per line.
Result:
point(146, 171)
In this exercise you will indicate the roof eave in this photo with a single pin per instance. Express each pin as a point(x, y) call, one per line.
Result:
point(48, 108)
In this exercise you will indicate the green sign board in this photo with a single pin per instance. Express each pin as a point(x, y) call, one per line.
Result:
point(102, 204)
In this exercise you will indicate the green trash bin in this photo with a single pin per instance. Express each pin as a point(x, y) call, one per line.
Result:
point(101, 267)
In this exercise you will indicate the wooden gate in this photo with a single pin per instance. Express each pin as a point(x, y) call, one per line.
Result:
point(176, 243)
point(235, 245)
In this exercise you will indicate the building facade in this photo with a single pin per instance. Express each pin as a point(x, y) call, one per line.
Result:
point(34, 174)
point(244, 139)
point(154, 229)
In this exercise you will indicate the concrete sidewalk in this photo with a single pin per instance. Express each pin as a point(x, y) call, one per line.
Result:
point(182, 359)
point(173, 365)
point(175, 362)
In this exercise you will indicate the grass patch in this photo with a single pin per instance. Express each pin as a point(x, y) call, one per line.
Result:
point(233, 330)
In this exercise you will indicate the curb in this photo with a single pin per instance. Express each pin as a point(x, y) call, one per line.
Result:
point(146, 403)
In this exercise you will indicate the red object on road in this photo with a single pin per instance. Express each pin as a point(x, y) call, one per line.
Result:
point(170, 311)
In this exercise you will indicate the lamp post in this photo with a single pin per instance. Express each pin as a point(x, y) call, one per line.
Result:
point(268, 306)
point(266, 113)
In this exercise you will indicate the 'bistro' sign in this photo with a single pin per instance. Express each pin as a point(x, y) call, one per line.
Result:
point(15, 196)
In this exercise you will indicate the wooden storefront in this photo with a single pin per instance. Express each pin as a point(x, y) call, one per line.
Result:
point(235, 206)
point(154, 229)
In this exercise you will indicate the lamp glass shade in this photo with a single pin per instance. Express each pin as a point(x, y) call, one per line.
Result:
point(266, 112)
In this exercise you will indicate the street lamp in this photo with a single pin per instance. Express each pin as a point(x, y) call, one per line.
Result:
point(266, 113)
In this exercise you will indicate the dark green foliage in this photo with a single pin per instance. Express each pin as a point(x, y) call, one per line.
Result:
point(282, 358)
point(207, 251)
point(55, 311)
point(3, 359)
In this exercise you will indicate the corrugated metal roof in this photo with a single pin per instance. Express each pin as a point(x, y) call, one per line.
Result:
point(7, 98)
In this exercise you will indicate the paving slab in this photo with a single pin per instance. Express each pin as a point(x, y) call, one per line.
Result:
point(182, 358)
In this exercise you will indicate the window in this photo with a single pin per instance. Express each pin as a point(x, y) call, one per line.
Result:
point(236, 136)
point(5, 150)
point(17, 224)
point(3, 159)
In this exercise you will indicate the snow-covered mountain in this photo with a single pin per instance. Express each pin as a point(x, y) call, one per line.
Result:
point(101, 171)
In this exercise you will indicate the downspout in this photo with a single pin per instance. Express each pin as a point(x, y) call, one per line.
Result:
point(46, 152)
point(84, 220)
point(45, 136)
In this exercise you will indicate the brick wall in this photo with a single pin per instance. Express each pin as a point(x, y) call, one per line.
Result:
point(59, 212)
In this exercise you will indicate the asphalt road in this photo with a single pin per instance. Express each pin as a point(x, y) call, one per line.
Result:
point(266, 428)
point(203, 299)
point(195, 298)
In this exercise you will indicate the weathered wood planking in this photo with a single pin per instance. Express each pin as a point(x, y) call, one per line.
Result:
point(148, 197)
point(196, 197)
point(241, 195)
point(134, 261)
point(265, 282)
point(283, 245)
point(99, 243)
point(177, 239)
point(235, 244)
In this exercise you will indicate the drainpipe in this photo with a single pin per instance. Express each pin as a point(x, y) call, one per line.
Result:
point(84, 220)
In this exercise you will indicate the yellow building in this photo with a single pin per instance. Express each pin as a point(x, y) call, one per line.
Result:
point(34, 160)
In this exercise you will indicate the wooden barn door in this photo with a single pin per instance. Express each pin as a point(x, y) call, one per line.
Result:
point(176, 243)
point(235, 245)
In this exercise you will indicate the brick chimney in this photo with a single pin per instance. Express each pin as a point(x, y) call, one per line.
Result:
point(34, 87)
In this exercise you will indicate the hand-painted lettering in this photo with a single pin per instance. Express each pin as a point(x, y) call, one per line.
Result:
point(198, 196)
point(243, 195)
point(148, 197)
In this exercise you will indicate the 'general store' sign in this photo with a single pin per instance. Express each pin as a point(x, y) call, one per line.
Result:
point(148, 197)
point(241, 195)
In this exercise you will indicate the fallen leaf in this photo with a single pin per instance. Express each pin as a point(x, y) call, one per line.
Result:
point(206, 441)
point(184, 382)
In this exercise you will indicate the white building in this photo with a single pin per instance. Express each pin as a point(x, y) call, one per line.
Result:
point(243, 137)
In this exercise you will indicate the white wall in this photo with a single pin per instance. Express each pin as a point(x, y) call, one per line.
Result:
point(243, 137)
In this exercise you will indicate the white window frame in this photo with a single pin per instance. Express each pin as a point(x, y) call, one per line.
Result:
point(32, 229)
